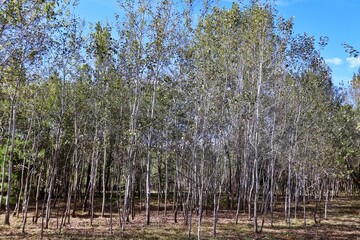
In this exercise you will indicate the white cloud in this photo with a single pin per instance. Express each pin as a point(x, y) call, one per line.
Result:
point(353, 62)
point(335, 61)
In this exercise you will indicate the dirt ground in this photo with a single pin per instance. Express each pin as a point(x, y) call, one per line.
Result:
point(343, 222)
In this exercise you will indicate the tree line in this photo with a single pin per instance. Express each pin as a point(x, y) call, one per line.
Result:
point(230, 109)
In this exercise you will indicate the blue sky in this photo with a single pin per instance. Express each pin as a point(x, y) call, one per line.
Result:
point(336, 19)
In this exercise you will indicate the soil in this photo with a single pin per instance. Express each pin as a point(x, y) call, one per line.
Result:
point(343, 222)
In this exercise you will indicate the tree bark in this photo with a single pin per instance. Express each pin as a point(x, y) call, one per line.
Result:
point(10, 167)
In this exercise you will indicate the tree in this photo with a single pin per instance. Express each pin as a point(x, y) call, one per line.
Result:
point(23, 32)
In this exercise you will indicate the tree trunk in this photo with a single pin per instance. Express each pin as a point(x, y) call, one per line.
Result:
point(5, 155)
point(26, 200)
point(7, 203)
point(166, 185)
point(215, 211)
point(94, 170)
point(104, 171)
point(326, 199)
point(18, 202)
point(148, 160)
point(37, 197)
point(111, 205)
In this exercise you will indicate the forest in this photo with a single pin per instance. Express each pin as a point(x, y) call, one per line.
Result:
point(227, 117)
